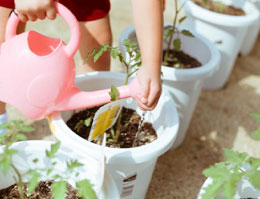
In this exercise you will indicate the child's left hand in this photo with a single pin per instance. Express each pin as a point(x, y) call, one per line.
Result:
point(151, 87)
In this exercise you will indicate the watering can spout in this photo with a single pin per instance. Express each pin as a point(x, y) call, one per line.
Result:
point(79, 99)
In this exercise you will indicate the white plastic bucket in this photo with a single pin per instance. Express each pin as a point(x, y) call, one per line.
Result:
point(184, 85)
point(229, 30)
point(130, 168)
point(92, 170)
point(252, 33)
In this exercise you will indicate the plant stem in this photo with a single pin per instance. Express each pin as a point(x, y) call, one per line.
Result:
point(127, 71)
point(117, 134)
point(19, 182)
point(166, 55)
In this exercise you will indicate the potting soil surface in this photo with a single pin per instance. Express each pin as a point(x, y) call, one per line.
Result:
point(42, 191)
point(221, 118)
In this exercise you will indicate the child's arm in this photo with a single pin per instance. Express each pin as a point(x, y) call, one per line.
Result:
point(148, 20)
point(35, 9)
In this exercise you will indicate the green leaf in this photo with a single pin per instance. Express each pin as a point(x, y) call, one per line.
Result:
point(254, 162)
point(182, 19)
point(114, 52)
point(254, 178)
point(84, 189)
point(87, 121)
point(187, 33)
point(219, 170)
point(26, 128)
point(168, 33)
point(5, 163)
point(223, 177)
point(256, 116)
point(234, 157)
point(229, 187)
point(73, 164)
point(21, 137)
point(89, 55)
point(212, 190)
point(34, 181)
point(98, 54)
point(114, 94)
point(59, 189)
point(256, 134)
point(129, 44)
point(54, 148)
point(177, 44)
point(4, 125)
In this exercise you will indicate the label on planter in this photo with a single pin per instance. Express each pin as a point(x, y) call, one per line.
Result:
point(105, 118)
point(128, 186)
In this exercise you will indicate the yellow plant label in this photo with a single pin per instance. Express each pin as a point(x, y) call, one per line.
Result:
point(105, 118)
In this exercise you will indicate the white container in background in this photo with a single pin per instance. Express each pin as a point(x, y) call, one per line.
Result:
point(130, 168)
point(207, 23)
point(92, 170)
point(252, 33)
point(184, 85)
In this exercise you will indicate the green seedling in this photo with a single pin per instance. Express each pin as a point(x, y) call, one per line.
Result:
point(134, 63)
point(169, 36)
point(226, 175)
point(59, 186)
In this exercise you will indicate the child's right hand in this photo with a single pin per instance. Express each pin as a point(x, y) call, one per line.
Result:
point(35, 9)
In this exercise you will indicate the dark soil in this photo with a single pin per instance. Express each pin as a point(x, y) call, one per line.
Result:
point(42, 191)
point(219, 7)
point(179, 59)
point(128, 128)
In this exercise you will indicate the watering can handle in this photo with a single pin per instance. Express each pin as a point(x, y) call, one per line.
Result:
point(66, 14)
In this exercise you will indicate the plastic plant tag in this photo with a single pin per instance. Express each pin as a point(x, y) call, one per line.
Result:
point(105, 117)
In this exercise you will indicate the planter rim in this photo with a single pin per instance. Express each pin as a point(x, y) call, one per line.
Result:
point(119, 155)
point(174, 74)
point(252, 14)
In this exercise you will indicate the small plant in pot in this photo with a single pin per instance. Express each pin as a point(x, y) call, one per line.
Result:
point(129, 161)
point(220, 7)
point(175, 57)
point(188, 59)
point(41, 169)
point(232, 33)
point(236, 177)
point(128, 129)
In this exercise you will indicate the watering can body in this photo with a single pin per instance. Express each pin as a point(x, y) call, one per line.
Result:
point(37, 72)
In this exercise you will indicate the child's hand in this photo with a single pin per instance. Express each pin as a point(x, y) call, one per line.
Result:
point(35, 9)
point(151, 88)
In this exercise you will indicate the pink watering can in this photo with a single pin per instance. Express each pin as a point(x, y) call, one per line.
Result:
point(37, 73)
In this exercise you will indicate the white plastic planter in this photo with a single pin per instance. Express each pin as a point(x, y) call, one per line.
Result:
point(184, 85)
point(228, 31)
point(92, 170)
point(251, 34)
point(244, 190)
point(131, 168)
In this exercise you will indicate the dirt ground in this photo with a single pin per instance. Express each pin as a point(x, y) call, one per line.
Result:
point(221, 118)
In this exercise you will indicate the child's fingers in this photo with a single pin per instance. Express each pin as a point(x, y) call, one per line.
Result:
point(32, 17)
point(154, 95)
point(23, 17)
point(51, 13)
point(155, 102)
point(41, 15)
